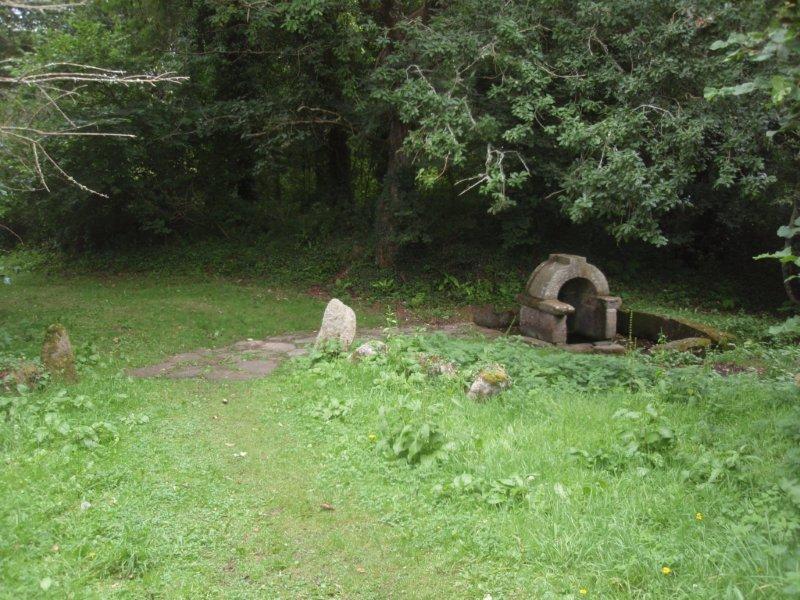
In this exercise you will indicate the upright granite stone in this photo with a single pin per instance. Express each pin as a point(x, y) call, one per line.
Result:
point(338, 324)
point(57, 354)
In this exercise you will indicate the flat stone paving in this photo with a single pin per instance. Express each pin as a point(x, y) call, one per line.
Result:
point(254, 359)
point(249, 359)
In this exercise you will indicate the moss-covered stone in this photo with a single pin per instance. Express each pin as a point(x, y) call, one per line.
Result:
point(436, 365)
point(57, 354)
point(490, 381)
point(690, 344)
point(496, 375)
point(27, 373)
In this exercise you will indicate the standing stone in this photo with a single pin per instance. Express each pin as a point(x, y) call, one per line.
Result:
point(338, 324)
point(57, 355)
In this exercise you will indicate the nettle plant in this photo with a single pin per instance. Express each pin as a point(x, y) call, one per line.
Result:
point(56, 419)
point(501, 492)
point(790, 264)
point(332, 408)
point(644, 432)
point(706, 467)
point(643, 437)
point(789, 258)
point(407, 435)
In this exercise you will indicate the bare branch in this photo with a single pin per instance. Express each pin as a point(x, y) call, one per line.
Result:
point(68, 177)
point(89, 75)
point(66, 133)
point(40, 5)
point(54, 82)
point(38, 165)
point(12, 232)
point(334, 119)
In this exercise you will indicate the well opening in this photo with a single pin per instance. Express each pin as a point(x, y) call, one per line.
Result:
point(581, 294)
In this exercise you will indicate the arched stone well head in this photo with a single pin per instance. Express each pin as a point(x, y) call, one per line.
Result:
point(568, 298)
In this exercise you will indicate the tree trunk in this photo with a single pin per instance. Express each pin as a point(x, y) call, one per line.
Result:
point(398, 178)
point(792, 286)
point(334, 177)
point(390, 200)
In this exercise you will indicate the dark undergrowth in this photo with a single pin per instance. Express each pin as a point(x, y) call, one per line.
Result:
point(457, 276)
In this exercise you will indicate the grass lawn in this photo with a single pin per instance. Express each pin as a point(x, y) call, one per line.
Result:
point(596, 477)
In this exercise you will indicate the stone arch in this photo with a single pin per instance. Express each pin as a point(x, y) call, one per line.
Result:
point(565, 295)
point(550, 276)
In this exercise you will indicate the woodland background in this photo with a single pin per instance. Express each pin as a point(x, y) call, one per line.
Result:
point(472, 135)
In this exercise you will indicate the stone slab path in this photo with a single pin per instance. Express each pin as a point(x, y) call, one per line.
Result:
point(249, 359)
point(253, 359)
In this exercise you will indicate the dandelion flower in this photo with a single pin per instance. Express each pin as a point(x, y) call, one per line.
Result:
point(666, 570)
point(372, 437)
point(583, 591)
point(698, 516)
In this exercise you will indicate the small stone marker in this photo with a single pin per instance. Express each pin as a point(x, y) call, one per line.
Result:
point(367, 349)
point(57, 354)
point(338, 323)
point(490, 381)
point(27, 374)
point(436, 365)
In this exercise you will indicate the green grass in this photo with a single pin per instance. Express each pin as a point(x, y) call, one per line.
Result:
point(507, 510)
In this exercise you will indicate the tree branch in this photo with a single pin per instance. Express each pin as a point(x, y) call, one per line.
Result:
point(40, 5)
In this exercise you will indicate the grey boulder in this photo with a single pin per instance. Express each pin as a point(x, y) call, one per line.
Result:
point(367, 349)
point(338, 324)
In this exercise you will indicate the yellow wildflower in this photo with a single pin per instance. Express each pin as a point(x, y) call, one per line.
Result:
point(583, 591)
point(698, 516)
point(372, 437)
point(666, 570)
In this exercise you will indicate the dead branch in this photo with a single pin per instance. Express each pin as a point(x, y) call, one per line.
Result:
point(12, 232)
point(54, 82)
point(89, 74)
point(40, 5)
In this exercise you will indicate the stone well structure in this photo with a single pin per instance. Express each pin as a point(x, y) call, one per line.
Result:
point(567, 299)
